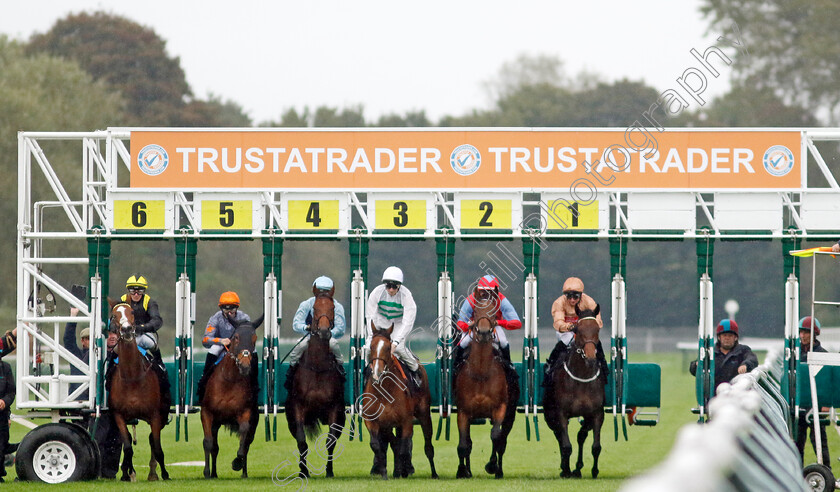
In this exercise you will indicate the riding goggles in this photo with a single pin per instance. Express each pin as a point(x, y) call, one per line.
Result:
point(392, 285)
point(229, 307)
point(572, 294)
point(136, 290)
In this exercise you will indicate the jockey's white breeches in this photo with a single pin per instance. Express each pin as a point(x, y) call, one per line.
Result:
point(501, 338)
point(298, 351)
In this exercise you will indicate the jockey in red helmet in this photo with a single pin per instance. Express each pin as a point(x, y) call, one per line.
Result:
point(506, 316)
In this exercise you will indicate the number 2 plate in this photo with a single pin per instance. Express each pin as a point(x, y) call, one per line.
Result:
point(486, 214)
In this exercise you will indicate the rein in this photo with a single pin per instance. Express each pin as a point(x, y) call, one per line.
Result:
point(579, 350)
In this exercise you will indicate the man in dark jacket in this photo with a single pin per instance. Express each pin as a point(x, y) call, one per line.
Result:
point(731, 357)
point(802, 430)
point(82, 352)
point(7, 396)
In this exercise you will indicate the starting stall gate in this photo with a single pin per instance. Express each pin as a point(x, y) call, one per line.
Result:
point(538, 186)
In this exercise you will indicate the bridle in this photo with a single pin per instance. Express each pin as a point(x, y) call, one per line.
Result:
point(126, 328)
point(579, 350)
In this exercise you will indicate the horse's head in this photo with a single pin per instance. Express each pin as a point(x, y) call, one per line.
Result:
point(380, 351)
point(484, 313)
point(586, 332)
point(243, 344)
point(323, 314)
point(122, 318)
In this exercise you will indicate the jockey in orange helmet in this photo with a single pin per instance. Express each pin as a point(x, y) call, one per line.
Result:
point(217, 335)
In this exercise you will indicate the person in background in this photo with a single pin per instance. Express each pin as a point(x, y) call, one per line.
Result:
point(7, 397)
point(731, 358)
point(803, 427)
point(82, 352)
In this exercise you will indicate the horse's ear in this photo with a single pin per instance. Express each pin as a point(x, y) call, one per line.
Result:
point(577, 309)
point(112, 303)
point(258, 321)
point(597, 309)
point(332, 292)
point(390, 330)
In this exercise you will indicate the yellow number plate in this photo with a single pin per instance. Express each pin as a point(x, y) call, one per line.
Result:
point(227, 214)
point(565, 214)
point(400, 214)
point(139, 214)
point(486, 214)
point(313, 214)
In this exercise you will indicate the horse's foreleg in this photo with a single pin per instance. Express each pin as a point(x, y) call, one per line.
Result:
point(464, 446)
point(379, 446)
point(153, 476)
point(426, 424)
point(404, 444)
point(336, 428)
point(241, 460)
point(157, 449)
point(562, 434)
point(596, 442)
point(214, 451)
point(128, 473)
point(207, 427)
point(581, 439)
point(499, 439)
point(297, 431)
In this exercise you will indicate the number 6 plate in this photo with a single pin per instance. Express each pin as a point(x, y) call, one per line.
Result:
point(140, 212)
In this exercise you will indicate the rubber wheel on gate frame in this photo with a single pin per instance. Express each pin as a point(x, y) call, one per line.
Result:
point(52, 453)
point(819, 477)
point(94, 459)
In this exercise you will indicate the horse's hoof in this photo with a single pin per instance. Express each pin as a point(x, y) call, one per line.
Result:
point(165, 475)
point(565, 474)
point(153, 477)
point(237, 464)
point(490, 467)
point(330, 474)
point(576, 474)
point(435, 475)
point(125, 478)
point(500, 474)
point(463, 472)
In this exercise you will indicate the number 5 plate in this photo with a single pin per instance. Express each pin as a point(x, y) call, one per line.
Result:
point(131, 211)
point(217, 212)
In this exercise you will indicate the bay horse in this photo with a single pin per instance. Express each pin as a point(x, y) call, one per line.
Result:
point(482, 389)
point(317, 392)
point(230, 398)
point(577, 391)
point(393, 420)
point(135, 393)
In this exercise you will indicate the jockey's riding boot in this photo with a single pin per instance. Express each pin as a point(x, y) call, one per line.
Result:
point(339, 367)
point(415, 379)
point(510, 369)
point(548, 367)
point(602, 363)
point(460, 355)
point(290, 377)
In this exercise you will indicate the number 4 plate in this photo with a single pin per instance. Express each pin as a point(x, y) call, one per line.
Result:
point(303, 212)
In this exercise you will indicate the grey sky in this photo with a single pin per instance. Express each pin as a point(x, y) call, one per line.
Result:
point(395, 56)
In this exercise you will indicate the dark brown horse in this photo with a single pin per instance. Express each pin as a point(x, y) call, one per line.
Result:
point(393, 420)
point(231, 399)
point(578, 391)
point(135, 393)
point(317, 392)
point(482, 389)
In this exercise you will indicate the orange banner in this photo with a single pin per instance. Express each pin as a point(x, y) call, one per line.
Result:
point(464, 159)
